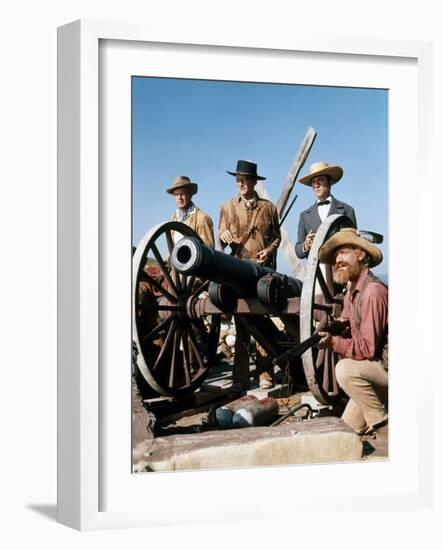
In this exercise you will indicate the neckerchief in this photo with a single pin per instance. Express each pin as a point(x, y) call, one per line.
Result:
point(250, 203)
point(182, 215)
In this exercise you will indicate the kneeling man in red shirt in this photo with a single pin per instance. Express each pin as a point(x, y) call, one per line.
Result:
point(363, 370)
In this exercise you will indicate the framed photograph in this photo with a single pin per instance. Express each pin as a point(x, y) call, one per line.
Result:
point(195, 307)
point(142, 115)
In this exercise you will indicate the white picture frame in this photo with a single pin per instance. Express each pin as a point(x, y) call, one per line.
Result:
point(86, 214)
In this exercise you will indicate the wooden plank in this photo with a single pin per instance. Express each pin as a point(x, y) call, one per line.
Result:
point(297, 165)
point(249, 306)
point(286, 245)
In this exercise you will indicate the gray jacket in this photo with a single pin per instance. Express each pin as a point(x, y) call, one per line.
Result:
point(310, 220)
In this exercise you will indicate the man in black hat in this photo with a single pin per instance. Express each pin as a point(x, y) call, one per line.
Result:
point(320, 178)
point(250, 225)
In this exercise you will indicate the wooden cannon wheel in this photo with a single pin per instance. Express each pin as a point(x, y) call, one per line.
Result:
point(320, 304)
point(172, 352)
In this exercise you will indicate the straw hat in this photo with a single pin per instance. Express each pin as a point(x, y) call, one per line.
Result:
point(182, 181)
point(351, 237)
point(323, 169)
point(246, 168)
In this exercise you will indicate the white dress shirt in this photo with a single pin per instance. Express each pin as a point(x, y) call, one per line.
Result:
point(323, 209)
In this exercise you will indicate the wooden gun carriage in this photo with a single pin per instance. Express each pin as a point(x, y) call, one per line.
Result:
point(176, 318)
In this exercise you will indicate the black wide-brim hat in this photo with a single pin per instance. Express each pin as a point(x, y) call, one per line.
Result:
point(246, 168)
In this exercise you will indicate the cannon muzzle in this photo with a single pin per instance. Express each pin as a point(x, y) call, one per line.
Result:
point(192, 257)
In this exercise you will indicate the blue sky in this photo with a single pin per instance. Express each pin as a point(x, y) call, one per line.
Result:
point(201, 128)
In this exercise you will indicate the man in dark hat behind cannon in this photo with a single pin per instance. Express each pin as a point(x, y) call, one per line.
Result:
point(320, 178)
point(250, 225)
point(183, 190)
point(363, 370)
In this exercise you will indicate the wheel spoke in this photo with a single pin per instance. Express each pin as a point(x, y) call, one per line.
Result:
point(183, 281)
point(324, 285)
point(190, 284)
point(165, 307)
point(166, 344)
point(329, 278)
point(323, 307)
point(154, 332)
point(175, 275)
point(191, 355)
point(326, 371)
point(201, 288)
point(334, 378)
point(164, 269)
point(175, 353)
point(186, 361)
point(194, 347)
point(161, 307)
point(320, 359)
point(159, 287)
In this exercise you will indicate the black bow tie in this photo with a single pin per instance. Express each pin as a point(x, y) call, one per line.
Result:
point(320, 203)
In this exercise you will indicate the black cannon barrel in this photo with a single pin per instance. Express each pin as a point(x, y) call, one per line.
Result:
point(192, 257)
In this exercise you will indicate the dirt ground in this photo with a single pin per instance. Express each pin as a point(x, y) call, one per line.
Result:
point(146, 427)
point(142, 421)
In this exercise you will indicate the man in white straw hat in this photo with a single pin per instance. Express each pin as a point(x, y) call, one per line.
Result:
point(321, 177)
point(183, 190)
point(363, 370)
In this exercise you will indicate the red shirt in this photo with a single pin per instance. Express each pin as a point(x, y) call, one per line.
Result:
point(366, 342)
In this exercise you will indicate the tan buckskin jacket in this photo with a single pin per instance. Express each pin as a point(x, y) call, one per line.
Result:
point(236, 217)
point(202, 224)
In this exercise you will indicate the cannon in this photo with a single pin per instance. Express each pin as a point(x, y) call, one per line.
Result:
point(231, 278)
point(176, 315)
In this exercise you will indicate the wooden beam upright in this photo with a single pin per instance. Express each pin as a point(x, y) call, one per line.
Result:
point(297, 165)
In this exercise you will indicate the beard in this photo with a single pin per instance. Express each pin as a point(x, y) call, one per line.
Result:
point(345, 272)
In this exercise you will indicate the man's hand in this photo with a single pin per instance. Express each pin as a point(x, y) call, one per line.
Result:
point(226, 237)
point(263, 256)
point(308, 241)
point(326, 340)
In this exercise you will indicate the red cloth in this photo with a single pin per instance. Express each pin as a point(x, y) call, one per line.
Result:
point(366, 342)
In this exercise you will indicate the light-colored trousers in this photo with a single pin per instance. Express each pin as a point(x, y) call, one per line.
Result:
point(366, 384)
